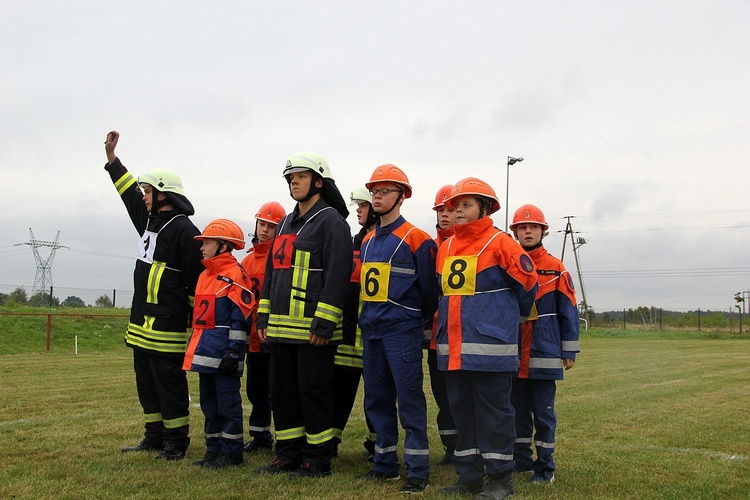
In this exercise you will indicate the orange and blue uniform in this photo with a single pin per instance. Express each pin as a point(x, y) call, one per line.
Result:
point(223, 306)
point(488, 284)
point(258, 356)
point(549, 336)
point(399, 296)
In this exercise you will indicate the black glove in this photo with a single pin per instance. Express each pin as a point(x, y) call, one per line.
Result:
point(230, 363)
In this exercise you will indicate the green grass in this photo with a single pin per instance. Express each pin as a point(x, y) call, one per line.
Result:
point(642, 415)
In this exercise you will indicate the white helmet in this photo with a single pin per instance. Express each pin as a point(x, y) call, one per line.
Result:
point(359, 195)
point(308, 161)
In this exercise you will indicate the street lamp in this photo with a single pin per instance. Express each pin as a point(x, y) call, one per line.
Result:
point(511, 161)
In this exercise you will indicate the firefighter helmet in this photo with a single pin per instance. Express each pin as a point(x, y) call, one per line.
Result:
point(164, 180)
point(477, 187)
point(307, 160)
point(224, 230)
point(272, 212)
point(359, 195)
point(529, 214)
point(443, 194)
point(390, 173)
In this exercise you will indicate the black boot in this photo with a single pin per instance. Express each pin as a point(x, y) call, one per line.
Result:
point(208, 457)
point(145, 445)
point(224, 461)
point(497, 487)
point(171, 452)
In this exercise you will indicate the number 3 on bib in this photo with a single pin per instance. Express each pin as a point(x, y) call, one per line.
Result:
point(374, 281)
point(459, 275)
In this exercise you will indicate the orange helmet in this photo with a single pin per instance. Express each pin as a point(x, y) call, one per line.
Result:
point(529, 214)
point(390, 173)
point(271, 212)
point(225, 230)
point(472, 185)
point(443, 194)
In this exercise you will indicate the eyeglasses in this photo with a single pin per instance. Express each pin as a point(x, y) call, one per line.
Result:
point(383, 191)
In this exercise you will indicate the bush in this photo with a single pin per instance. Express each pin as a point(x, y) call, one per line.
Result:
point(104, 301)
point(73, 301)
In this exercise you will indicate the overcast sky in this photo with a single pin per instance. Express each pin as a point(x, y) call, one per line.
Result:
point(634, 117)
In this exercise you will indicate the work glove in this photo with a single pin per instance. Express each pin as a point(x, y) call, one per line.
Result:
point(229, 363)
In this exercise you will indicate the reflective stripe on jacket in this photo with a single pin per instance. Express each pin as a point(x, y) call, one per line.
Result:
point(553, 335)
point(479, 331)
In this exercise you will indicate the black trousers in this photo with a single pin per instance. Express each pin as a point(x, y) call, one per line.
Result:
point(301, 376)
point(163, 393)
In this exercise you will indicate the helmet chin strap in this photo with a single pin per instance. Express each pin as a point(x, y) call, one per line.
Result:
point(156, 203)
point(383, 214)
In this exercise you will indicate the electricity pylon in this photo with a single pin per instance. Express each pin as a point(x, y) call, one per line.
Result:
point(43, 278)
point(576, 243)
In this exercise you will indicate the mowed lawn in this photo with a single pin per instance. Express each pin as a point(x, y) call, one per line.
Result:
point(642, 415)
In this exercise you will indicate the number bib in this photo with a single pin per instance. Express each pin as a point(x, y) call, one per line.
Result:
point(282, 251)
point(146, 247)
point(374, 279)
point(255, 281)
point(459, 275)
point(204, 312)
point(357, 268)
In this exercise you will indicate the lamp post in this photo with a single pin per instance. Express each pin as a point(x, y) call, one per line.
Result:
point(511, 161)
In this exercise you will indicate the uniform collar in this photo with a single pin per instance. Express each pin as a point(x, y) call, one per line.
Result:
point(472, 229)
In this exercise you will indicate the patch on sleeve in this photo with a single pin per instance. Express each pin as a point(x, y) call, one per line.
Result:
point(247, 297)
point(526, 263)
point(569, 279)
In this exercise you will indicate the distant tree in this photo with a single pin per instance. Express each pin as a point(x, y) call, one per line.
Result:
point(4, 297)
point(73, 301)
point(104, 301)
point(43, 299)
point(18, 296)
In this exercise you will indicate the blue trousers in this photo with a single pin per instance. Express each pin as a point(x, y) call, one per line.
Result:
point(393, 374)
point(221, 403)
point(480, 404)
point(534, 402)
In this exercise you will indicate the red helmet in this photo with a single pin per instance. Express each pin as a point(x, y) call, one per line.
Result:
point(529, 214)
point(225, 230)
point(443, 194)
point(390, 173)
point(477, 187)
point(271, 212)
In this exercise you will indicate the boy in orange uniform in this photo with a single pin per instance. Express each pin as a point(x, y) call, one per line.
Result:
point(259, 426)
point(488, 285)
point(216, 350)
point(548, 343)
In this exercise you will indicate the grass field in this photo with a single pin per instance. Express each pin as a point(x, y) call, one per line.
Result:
point(642, 415)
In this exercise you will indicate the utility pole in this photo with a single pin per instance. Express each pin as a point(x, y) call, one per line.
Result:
point(739, 297)
point(576, 243)
point(43, 278)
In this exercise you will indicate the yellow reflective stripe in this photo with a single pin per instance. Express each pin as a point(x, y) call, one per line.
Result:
point(176, 422)
point(329, 312)
point(264, 306)
point(148, 322)
point(320, 438)
point(152, 417)
point(154, 279)
point(293, 433)
point(282, 326)
point(299, 284)
point(337, 433)
point(147, 338)
point(123, 183)
point(349, 362)
point(191, 300)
